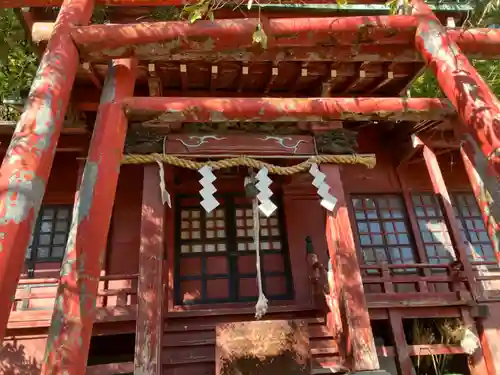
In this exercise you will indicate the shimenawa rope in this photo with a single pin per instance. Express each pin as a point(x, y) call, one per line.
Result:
point(366, 160)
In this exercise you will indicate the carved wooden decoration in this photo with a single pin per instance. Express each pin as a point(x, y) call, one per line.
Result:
point(240, 144)
point(263, 348)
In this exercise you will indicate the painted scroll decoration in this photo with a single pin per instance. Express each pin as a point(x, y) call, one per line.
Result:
point(328, 201)
point(237, 144)
point(209, 203)
point(266, 206)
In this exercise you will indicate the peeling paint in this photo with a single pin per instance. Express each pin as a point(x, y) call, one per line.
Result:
point(475, 103)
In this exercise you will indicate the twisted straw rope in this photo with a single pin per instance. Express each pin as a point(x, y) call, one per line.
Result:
point(366, 160)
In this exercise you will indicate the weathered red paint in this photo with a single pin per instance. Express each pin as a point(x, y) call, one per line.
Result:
point(358, 343)
point(150, 3)
point(26, 166)
point(475, 103)
point(403, 359)
point(231, 39)
point(477, 43)
point(113, 41)
point(149, 331)
point(441, 191)
point(486, 191)
point(248, 144)
point(285, 109)
point(75, 305)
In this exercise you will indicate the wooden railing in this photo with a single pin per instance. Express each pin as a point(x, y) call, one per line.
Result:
point(388, 285)
point(39, 294)
point(488, 274)
point(34, 300)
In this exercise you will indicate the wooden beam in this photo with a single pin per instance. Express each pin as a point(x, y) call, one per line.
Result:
point(486, 188)
point(475, 43)
point(111, 369)
point(67, 143)
point(149, 332)
point(360, 346)
point(440, 189)
point(72, 321)
point(126, 3)
point(249, 144)
point(476, 104)
point(403, 360)
point(227, 34)
point(26, 166)
point(477, 360)
point(187, 109)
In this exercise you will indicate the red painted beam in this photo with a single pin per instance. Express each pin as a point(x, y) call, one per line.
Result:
point(101, 41)
point(475, 103)
point(75, 307)
point(284, 109)
point(441, 191)
point(486, 189)
point(151, 40)
point(149, 3)
point(27, 164)
point(477, 43)
point(355, 52)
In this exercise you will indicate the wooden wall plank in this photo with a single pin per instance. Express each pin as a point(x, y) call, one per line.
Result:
point(359, 342)
point(150, 289)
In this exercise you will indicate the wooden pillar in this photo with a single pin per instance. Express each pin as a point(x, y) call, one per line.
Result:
point(439, 187)
point(477, 360)
point(149, 331)
point(301, 198)
point(75, 305)
point(475, 103)
point(26, 166)
point(486, 188)
point(359, 343)
point(403, 360)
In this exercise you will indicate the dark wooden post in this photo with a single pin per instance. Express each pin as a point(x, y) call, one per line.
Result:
point(150, 290)
point(75, 305)
point(403, 360)
point(486, 188)
point(27, 164)
point(439, 187)
point(360, 344)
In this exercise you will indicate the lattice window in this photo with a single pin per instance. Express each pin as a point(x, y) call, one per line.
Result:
point(383, 230)
point(472, 227)
point(49, 237)
point(215, 259)
point(433, 229)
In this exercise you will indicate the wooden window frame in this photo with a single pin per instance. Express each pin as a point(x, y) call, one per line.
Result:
point(37, 231)
point(231, 254)
point(405, 218)
point(465, 231)
point(435, 204)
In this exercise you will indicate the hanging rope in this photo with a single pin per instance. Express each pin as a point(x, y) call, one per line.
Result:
point(366, 160)
point(261, 306)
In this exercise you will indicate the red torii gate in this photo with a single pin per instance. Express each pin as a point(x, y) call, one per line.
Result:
point(27, 164)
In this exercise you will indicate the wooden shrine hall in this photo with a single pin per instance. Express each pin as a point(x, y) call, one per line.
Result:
point(219, 188)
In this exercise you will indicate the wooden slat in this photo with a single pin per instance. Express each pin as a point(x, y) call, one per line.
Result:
point(31, 319)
